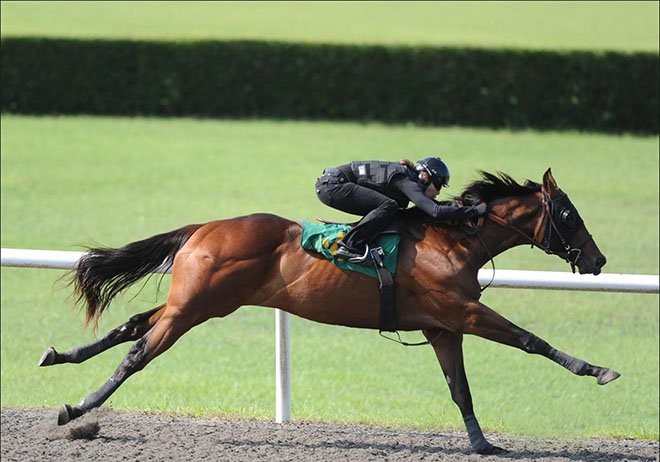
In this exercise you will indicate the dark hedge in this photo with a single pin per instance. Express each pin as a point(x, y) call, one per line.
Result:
point(591, 91)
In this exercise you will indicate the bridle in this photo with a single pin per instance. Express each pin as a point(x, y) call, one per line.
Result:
point(559, 217)
point(557, 212)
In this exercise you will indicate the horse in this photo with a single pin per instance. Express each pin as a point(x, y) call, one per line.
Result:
point(257, 260)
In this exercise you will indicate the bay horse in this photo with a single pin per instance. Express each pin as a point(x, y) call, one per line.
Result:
point(257, 260)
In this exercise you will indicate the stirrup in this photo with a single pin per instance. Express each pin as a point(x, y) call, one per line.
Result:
point(352, 255)
point(362, 258)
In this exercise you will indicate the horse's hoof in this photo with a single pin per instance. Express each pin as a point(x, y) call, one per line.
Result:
point(491, 450)
point(498, 450)
point(607, 376)
point(48, 358)
point(65, 416)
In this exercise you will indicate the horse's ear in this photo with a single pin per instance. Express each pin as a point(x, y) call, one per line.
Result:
point(549, 183)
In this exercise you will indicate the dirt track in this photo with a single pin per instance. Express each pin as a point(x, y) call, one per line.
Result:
point(107, 435)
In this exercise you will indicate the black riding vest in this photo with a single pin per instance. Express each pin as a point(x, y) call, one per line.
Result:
point(377, 175)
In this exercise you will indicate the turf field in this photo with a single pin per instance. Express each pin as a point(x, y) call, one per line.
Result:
point(612, 25)
point(70, 181)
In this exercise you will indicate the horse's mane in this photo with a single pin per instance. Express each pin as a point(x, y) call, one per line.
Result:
point(486, 189)
point(494, 186)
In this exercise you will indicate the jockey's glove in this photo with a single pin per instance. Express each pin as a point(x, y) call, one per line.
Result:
point(480, 209)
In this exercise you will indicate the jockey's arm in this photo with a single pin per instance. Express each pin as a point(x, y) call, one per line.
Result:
point(414, 191)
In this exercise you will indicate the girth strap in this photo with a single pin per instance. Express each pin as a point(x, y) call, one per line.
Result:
point(387, 318)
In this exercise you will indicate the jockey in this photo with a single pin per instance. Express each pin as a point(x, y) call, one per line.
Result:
point(377, 190)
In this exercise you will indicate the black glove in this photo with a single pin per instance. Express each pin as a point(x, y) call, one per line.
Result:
point(481, 208)
point(476, 210)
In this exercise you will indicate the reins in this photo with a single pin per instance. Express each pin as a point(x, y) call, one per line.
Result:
point(505, 224)
point(401, 342)
point(536, 240)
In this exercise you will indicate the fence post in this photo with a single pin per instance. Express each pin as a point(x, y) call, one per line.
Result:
point(282, 368)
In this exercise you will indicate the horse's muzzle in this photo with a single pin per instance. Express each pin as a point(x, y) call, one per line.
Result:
point(600, 262)
point(594, 267)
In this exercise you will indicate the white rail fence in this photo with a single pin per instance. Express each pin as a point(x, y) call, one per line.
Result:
point(519, 279)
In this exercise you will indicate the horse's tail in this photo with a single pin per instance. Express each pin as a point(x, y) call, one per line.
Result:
point(102, 273)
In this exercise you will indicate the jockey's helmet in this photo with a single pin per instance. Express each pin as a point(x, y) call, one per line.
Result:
point(436, 169)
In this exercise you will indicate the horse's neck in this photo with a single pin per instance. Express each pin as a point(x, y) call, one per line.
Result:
point(521, 215)
point(491, 239)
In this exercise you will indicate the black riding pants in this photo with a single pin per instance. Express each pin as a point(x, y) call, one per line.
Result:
point(378, 209)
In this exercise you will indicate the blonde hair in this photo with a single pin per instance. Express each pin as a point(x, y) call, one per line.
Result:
point(407, 162)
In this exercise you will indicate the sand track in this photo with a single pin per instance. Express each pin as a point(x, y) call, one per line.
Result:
point(108, 435)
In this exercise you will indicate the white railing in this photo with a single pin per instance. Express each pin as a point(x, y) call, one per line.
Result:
point(637, 283)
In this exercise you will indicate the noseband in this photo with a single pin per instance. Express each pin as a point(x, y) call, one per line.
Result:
point(547, 234)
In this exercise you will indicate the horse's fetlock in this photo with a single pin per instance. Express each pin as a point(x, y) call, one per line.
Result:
point(582, 367)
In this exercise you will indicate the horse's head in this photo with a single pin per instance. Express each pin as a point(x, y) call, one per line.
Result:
point(554, 225)
point(562, 231)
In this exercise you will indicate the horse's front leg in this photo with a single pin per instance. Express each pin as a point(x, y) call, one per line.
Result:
point(486, 323)
point(449, 351)
point(131, 330)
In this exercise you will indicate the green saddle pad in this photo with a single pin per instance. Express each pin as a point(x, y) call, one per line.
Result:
point(323, 237)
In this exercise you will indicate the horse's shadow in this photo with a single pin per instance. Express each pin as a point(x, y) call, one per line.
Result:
point(390, 450)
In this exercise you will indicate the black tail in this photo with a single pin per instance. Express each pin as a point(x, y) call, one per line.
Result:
point(102, 273)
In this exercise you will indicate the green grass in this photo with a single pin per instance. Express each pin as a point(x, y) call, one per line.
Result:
point(78, 180)
point(625, 26)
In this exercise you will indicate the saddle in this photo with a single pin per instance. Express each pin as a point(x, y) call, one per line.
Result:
point(323, 238)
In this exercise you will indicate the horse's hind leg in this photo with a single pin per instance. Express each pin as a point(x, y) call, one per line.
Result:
point(449, 351)
point(168, 329)
point(133, 329)
point(486, 323)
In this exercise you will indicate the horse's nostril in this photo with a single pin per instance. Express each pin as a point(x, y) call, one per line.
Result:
point(601, 261)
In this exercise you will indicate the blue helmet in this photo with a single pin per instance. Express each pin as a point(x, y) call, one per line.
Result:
point(437, 170)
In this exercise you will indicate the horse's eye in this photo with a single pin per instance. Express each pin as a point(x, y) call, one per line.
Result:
point(567, 217)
